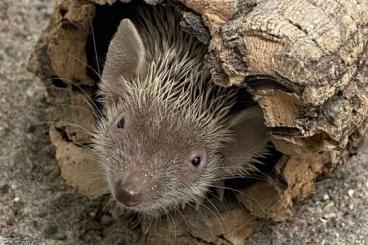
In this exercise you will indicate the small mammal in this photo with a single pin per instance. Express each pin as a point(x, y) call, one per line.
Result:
point(168, 134)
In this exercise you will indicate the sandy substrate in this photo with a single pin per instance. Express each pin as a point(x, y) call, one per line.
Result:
point(36, 205)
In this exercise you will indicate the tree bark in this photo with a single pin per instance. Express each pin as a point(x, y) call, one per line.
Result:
point(303, 61)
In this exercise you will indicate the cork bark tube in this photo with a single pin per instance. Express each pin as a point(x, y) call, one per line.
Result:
point(303, 61)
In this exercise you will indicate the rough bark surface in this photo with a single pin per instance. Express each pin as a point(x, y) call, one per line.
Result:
point(303, 61)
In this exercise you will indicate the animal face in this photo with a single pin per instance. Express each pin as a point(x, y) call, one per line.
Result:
point(163, 128)
point(154, 159)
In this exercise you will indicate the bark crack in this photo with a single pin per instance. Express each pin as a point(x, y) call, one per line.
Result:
point(304, 31)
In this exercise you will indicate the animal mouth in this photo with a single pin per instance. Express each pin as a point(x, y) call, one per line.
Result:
point(145, 209)
point(156, 207)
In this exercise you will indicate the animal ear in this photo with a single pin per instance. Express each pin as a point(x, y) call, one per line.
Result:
point(250, 137)
point(124, 60)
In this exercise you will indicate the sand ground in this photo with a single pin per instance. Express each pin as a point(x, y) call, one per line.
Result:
point(36, 207)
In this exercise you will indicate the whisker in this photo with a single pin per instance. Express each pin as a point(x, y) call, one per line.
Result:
point(220, 220)
point(90, 101)
point(240, 192)
point(94, 46)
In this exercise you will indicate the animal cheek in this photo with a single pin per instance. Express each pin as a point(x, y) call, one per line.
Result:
point(191, 176)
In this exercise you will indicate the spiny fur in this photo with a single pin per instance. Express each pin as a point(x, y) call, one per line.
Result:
point(176, 77)
point(178, 86)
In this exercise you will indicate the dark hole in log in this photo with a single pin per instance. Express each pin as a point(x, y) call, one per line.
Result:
point(244, 100)
point(58, 82)
point(93, 97)
point(80, 88)
point(285, 131)
point(261, 82)
point(105, 24)
point(63, 134)
point(63, 12)
point(107, 19)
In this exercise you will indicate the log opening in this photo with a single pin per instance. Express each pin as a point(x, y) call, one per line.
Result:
point(104, 25)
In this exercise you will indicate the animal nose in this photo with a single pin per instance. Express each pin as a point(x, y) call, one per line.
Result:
point(128, 194)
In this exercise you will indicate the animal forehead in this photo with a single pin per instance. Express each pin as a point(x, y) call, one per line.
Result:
point(170, 129)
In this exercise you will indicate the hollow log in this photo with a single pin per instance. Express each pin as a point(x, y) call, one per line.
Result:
point(303, 61)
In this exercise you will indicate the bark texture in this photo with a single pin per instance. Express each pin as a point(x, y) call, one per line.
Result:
point(303, 61)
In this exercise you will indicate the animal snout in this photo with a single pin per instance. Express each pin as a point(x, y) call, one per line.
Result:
point(129, 193)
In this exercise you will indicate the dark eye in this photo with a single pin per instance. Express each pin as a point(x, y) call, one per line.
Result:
point(196, 161)
point(121, 123)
